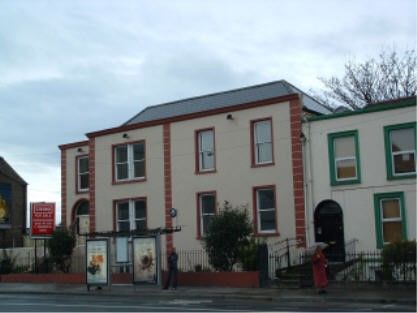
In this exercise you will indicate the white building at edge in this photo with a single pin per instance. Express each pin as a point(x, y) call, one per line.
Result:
point(360, 173)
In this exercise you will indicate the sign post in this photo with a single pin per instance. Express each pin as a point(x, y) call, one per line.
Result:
point(42, 223)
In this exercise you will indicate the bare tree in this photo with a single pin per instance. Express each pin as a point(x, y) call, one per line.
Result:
point(388, 77)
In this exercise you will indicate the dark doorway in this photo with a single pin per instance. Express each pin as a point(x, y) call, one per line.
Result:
point(328, 228)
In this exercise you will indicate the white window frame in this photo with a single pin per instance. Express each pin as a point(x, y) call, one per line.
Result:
point(202, 153)
point(395, 153)
point(392, 219)
point(130, 162)
point(132, 218)
point(79, 174)
point(200, 200)
point(259, 211)
point(257, 144)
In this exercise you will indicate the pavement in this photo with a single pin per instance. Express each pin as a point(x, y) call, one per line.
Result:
point(400, 294)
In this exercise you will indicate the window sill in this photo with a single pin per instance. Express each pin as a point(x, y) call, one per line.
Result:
point(271, 234)
point(345, 182)
point(79, 192)
point(205, 172)
point(408, 176)
point(254, 165)
point(131, 181)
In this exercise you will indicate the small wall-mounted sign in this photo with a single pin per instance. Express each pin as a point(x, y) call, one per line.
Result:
point(173, 212)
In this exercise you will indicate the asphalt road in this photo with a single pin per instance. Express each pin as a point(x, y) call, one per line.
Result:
point(95, 303)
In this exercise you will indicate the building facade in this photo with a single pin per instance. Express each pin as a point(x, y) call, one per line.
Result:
point(242, 146)
point(13, 202)
point(360, 171)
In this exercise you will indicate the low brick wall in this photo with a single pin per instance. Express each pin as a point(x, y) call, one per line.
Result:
point(218, 279)
point(208, 279)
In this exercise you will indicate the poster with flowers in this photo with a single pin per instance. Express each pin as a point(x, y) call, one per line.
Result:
point(144, 258)
point(96, 263)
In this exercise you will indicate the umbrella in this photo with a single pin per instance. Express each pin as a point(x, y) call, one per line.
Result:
point(320, 244)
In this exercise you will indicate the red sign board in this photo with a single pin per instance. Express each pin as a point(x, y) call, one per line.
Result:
point(42, 219)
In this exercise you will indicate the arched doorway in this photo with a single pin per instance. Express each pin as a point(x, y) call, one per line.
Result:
point(81, 220)
point(328, 228)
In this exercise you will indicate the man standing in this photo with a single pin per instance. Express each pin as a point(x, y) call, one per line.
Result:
point(172, 270)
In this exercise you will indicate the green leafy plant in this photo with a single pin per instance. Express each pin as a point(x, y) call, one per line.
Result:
point(227, 233)
point(396, 256)
point(249, 254)
point(61, 245)
point(7, 263)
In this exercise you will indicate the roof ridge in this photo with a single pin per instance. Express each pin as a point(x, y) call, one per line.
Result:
point(282, 81)
point(12, 171)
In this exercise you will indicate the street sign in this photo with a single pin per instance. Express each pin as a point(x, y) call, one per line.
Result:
point(42, 219)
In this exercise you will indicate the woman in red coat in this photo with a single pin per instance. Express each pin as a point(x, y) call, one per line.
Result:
point(319, 270)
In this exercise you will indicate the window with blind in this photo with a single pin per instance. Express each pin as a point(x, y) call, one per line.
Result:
point(344, 158)
point(390, 218)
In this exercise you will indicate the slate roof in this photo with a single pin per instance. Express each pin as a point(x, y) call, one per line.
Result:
point(8, 171)
point(225, 99)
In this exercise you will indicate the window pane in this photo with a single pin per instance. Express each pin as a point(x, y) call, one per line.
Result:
point(208, 204)
point(83, 209)
point(404, 163)
point(83, 165)
point(121, 154)
point(123, 211)
point(268, 220)
point(206, 140)
point(207, 160)
point(346, 168)
point(124, 226)
point(264, 152)
point(206, 222)
point(141, 225)
point(392, 231)
point(403, 139)
point(263, 131)
point(84, 181)
point(139, 169)
point(140, 209)
point(390, 208)
point(139, 151)
point(344, 147)
point(122, 171)
point(266, 199)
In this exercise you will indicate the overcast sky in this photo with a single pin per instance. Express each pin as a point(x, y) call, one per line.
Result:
point(72, 67)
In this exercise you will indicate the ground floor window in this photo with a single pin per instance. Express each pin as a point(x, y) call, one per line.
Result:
point(390, 220)
point(265, 205)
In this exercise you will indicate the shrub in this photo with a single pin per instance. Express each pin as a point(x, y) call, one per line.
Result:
point(60, 246)
point(7, 263)
point(227, 233)
point(397, 255)
point(249, 255)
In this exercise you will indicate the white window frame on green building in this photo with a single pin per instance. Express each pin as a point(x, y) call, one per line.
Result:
point(390, 155)
point(334, 160)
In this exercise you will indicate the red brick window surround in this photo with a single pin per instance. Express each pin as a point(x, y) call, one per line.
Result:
point(130, 214)
point(205, 151)
point(206, 210)
point(82, 173)
point(262, 142)
point(265, 210)
point(129, 162)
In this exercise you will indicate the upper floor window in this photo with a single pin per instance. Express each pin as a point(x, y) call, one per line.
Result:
point(344, 159)
point(206, 211)
point(265, 210)
point(400, 150)
point(131, 215)
point(129, 161)
point(262, 147)
point(389, 218)
point(82, 173)
point(206, 153)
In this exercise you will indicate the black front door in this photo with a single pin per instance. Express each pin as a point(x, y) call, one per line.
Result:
point(328, 226)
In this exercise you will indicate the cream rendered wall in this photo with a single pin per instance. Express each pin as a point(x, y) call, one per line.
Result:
point(152, 188)
point(234, 178)
point(72, 196)
point(356, 200)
